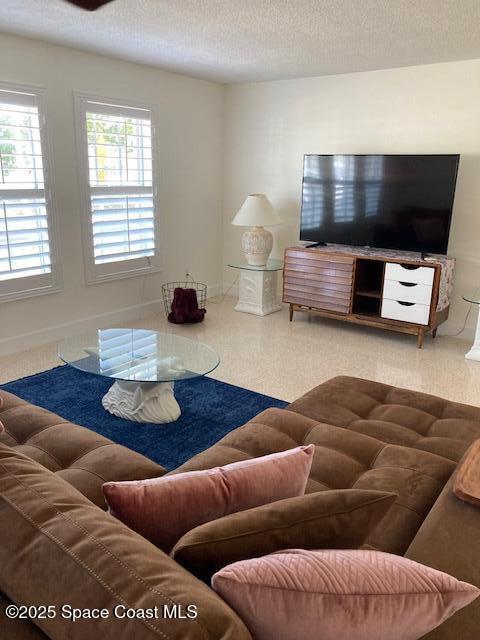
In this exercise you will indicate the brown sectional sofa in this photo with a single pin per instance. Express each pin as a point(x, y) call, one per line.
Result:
point(367, 435)
point(80, 456)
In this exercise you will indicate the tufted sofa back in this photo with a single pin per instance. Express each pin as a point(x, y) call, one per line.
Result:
point(82, 457)
point(393, 415)
point(368, 435)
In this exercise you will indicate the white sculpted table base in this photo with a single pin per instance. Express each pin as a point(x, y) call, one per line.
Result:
point(142, 401)
point(258, 292)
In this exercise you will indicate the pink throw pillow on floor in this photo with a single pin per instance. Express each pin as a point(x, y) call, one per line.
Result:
point(164, 509)
point(359, 595)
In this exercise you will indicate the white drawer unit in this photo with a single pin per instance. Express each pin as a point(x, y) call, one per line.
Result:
point(405, 311)
point(409, 273)
point(407, 291)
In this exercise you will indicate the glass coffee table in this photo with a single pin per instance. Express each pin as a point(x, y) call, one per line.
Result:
point(144, 364)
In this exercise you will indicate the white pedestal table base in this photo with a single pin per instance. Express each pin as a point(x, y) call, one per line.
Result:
point(474, 353)
point(142, 401)
point(258, 292)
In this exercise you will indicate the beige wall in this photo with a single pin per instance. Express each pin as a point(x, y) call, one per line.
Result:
point(425, 109)
point(244, 138)
point(189, 133)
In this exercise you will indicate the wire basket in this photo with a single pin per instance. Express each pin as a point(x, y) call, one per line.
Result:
point(168, 290)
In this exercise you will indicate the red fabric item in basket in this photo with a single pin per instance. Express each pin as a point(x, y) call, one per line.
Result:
point(185, 307)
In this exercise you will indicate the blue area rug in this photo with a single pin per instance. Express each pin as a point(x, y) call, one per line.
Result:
point(210, 409)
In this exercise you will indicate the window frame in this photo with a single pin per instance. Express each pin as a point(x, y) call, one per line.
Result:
point(47, 283)
point(97, 273)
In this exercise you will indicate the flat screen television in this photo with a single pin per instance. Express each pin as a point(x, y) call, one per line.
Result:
point(386, 201)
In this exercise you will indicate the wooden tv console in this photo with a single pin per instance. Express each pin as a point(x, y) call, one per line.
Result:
point(398, 294)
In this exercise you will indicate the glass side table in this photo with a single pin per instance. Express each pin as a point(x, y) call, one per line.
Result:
point(258, 287)
point(474, 353)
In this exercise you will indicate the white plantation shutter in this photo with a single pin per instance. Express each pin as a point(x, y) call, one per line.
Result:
point(127, 353)
point(25, 208)
point(120, 192)
point(123, 227)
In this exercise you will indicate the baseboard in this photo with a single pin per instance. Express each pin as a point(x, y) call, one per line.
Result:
point(451, 330)
point(56, 332)
point(214, 290)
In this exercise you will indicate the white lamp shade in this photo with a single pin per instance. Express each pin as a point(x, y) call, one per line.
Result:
point(256, 211)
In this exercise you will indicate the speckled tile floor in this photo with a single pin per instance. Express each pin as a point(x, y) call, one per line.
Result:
point(284, 360)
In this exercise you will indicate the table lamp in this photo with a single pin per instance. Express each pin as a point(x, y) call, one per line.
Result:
point(256, 212)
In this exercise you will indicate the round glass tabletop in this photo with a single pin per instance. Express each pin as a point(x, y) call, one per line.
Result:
point(138, 355)
point(272, 265)
point(472, 296)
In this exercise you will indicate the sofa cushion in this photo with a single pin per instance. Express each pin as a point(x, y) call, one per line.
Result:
point(339, 519)
point(449, 540)
point(344, 459)
point(67, 551)
point(164, 509)
point(393, 415)
point(15, 628)
point(80, 456)
point(359, 595)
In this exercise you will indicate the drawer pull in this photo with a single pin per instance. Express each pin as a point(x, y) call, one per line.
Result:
point(407, 291)
point(414, 313)
point(411, 267)
point(409, 273)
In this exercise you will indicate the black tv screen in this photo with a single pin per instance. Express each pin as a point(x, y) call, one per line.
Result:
point(387, 201)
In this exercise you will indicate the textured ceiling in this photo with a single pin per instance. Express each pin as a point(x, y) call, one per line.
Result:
point(242, 40)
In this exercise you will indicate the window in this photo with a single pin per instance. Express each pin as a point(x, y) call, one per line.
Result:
point(120, 222)
point(27, 265)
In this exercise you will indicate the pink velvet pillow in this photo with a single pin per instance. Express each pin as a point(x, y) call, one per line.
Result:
point(164, 509)
point(359, 595)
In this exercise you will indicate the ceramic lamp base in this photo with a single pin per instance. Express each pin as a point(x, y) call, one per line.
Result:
point(257, 245)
